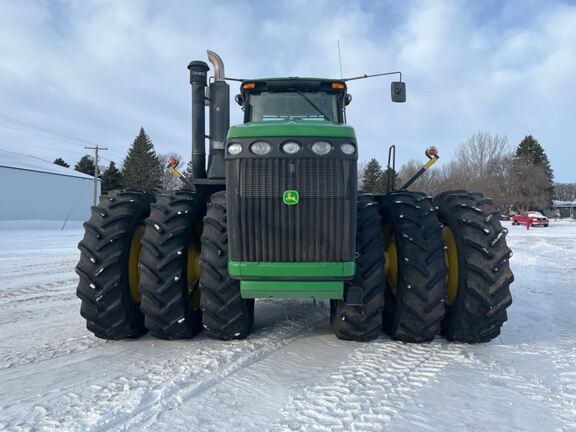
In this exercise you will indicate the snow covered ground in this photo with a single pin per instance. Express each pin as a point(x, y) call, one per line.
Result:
point(291, 373)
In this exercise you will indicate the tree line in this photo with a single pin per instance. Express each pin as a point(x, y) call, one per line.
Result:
point(517, 179)
point(142, 168)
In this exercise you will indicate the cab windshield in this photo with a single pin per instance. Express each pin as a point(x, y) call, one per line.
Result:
point(292, 106)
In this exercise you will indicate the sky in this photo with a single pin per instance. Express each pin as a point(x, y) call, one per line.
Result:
point(97, 71)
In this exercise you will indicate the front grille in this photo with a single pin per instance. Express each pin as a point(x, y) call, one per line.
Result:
point(311, 177)
point(317, 229)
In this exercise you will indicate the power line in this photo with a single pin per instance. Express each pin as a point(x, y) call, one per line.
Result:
point(46, 130)
point(31, 126)
point(44, 136)
point(59, 150)
point(30, 133)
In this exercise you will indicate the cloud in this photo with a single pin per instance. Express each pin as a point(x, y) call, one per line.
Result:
point(99, 70)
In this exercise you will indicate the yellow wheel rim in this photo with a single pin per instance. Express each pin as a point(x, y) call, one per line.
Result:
point(391, 257)
point(193, 275)
point(451, 258)
point(134, 255)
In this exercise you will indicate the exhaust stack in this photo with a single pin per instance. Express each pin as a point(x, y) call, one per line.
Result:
point(218, 64)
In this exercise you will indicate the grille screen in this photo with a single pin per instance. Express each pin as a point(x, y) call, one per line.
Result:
point(317, 229)
point(311, 177)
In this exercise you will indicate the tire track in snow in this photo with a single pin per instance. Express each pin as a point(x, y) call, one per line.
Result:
point(366, 391)
point(60, 289)
point(49, 351)
point(179, 392)
point(560, 397)
point(16, 272)
point(564, 401)
point(132, 397)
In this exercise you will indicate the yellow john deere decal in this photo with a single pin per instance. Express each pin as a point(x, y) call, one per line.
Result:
point(291, 197)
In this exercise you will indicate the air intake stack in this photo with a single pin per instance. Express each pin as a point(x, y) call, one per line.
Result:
point(219, 118)
point(198, 80)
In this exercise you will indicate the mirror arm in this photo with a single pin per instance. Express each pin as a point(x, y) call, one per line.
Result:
point(374, 75)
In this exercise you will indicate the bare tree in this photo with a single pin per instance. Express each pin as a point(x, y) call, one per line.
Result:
point(499, 183)
point(479, 152)
point(481, 164)
point(429, 182)
point(565, 191)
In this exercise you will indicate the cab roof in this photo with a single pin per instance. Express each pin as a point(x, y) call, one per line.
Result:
point(293, 83)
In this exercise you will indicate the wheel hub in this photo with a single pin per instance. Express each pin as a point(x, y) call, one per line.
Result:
point(390, 257)
point(451, 258)
point(133, 257)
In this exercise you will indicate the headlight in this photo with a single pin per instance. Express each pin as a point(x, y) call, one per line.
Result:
point(291, 147)
point(260, 148)
point(234, 149)
point(321, 147)
point(348, 148)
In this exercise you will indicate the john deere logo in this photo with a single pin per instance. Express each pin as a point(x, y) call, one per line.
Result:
point(291, 197)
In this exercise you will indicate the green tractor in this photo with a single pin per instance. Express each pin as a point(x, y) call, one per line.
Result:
point(275, 213)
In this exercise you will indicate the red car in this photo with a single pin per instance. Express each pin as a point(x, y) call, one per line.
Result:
point(534, 217)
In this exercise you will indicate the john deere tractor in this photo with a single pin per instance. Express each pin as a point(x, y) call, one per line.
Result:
point(275, 213)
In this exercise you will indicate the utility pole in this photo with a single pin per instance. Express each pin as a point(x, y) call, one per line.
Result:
point(96, 149)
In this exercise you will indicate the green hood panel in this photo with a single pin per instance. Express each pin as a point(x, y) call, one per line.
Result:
point(291, 129)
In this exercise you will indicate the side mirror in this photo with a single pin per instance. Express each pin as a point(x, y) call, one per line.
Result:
point(398, 91)
point(239, 99)
point(347, 99)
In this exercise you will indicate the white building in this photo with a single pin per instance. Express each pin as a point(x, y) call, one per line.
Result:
point(566, 209)
point(33, 189)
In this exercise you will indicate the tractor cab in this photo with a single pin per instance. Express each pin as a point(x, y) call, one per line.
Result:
point(293, 99)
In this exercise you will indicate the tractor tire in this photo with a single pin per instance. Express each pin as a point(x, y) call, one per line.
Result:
point(170, 266)
point(108, 266)
point(479, 270)
point(416, 271)
point(226, 314)
point(364, 323)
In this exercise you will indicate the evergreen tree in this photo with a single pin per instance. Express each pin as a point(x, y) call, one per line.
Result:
point(530, 152)
point(372, 179)
point(61, 162)
point(531, 149)
point(86, 165)
point(187, 174)
point(142, 169)
point(111, 178)
point(389, 175)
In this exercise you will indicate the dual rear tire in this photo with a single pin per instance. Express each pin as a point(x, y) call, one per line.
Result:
point(446, 269)
point(140, 265)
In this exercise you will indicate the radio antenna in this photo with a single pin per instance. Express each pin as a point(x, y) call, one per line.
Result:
point(340, 59)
